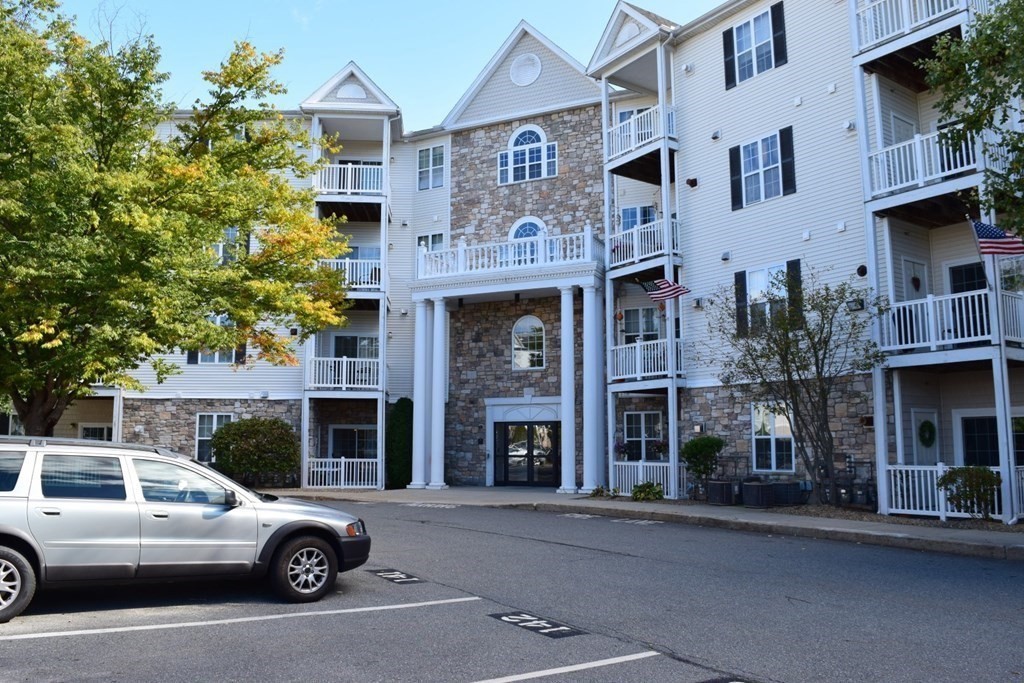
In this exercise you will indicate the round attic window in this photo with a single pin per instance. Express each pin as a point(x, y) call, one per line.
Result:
point(352, 91)
point(525, 69)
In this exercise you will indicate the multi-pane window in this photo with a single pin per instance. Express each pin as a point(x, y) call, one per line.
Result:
point(225, 251)
point(220, 356)
point(760, 285)
point(773, 441)
point(762, 169)
point(206, 425)
point(754, 46)
point(633, 216)
point(430, 167)
point(644, 436)
point(530, 157)
point(528, 343)
point(353, 346)
point(96, 432)
point(353, 441)
point(433, 241)
point(640, 324)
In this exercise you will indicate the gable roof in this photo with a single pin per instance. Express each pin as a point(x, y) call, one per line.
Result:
point(628, 27)
point(584, 89)
point(350, 89)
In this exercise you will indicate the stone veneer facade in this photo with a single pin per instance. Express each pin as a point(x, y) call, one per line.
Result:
point(329, 411)
point(171, 422)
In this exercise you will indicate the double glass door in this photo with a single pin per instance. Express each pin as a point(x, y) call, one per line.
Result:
point(526, 454)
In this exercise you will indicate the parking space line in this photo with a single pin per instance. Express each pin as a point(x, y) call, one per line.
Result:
point(237, 620)
point(574, 667)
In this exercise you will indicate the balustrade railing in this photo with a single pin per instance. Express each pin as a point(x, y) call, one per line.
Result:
point(359, 273)
point(637, 131)
point(350, 179)
point(643, 241)
point(344, 373)
point(345, 473)
point(922, 159)
point(628, 475)
point(643, 360)
point(913, 491)
point(884, 19)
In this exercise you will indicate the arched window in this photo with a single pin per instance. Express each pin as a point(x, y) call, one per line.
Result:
point(527, 227)
point(529, 157)
point(528, 343)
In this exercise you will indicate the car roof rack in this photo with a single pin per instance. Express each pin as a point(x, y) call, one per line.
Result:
point(43, 441)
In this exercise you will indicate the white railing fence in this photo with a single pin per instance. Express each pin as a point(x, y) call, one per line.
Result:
point(350, 179)
point(359, 273)
point(913, 491)
point(645, 359)
point(884, 19)
point(628, 475)
point(345, 373)
point(345, 473)
point(637, 131)
point(936, 321)
point(641, 242)
point(920, 160)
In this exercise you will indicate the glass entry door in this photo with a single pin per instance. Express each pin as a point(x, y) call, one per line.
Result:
point(526, 454)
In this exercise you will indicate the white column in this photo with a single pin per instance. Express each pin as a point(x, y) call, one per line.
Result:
point(881, 438)
point(304, 431)
point(568, 395)
point(438, 385)
point(421, 399)
point(117, 419)
point(592, 373)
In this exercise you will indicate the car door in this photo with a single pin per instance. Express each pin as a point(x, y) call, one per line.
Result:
point(83, 518)
point(187, 526)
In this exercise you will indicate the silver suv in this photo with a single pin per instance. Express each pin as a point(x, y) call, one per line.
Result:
point(81, 511)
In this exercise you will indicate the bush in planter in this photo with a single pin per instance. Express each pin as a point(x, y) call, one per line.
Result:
point(971, 489)
point(257, 451)
point(398, 445)
point(701, 457)
point(648, 491)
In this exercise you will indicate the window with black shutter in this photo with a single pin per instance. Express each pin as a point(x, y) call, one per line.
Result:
point(755, 46)
point(762, 169)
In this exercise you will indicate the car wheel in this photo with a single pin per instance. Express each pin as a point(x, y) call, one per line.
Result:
point(304, 569)
point(17, 584)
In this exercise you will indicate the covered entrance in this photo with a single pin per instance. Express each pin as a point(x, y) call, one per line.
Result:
point(526, 454)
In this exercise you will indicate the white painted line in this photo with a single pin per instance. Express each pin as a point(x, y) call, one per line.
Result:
point(574, 667)
point(238, 620)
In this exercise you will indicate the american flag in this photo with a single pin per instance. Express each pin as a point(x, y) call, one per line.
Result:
point(663, 290)
point(992, 240)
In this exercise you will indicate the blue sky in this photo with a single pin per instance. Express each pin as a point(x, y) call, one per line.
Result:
point(424, 55)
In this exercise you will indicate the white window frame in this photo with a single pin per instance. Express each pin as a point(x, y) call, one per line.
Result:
point(434, 241)
point(636, 216)
point(217, 424)
point(107, 427)
point(644, 331)
point(772, 438)
point(225, 250)
point(542, 153)
point(543, 346)
point(432, 172)
point(645, 439)
point(359, 427)
point(752, 50)
point(360, 347)
point(221, 356)
point(767, 173)
point(757, 294)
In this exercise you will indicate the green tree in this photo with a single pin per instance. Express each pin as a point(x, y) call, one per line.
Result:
point(107, 229)
point(980, 80)
point(792, 350)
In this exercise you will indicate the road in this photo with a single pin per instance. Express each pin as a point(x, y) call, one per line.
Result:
point(478, 594)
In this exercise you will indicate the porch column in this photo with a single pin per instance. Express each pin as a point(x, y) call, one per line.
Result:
point(117, 419)
point(421, 405)
point(1004, 430)
point(438, 386)
point(881, 439)
point(592, 389)
point(304, 431)
point(568, 395)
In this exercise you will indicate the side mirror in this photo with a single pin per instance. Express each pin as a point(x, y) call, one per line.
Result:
point(230, 498)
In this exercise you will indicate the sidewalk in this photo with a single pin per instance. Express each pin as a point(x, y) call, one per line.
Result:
point(978, 543)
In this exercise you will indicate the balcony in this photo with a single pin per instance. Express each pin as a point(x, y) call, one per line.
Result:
point(535, 252)
point(360, 274)
point(358, 374)
point(353, 179)
point(643, 360)
point(941, 321)
point(918, 161)
point(637, 131)
point(884, 20)
point(642, 242)
point(913, 491)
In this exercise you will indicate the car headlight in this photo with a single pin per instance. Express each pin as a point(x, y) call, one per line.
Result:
point(357, 528)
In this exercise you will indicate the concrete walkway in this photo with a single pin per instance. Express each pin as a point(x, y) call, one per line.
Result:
point(978, 543)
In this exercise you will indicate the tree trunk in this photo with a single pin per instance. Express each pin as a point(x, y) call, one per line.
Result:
point(40, 410)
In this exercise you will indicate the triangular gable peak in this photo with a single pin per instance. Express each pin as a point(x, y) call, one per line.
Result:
point(528, 75)
point(628, 28)
point(350, 89)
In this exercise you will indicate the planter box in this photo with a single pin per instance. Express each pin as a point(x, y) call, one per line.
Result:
point(757, 494)
point(724, 492)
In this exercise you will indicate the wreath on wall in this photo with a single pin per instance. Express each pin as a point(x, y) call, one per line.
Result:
point(926, 433)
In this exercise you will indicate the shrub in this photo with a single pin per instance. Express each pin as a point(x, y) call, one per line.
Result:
point(971, 489)
point(648, 491)
point(398, 445)
point(701, 457)
point(258, 451)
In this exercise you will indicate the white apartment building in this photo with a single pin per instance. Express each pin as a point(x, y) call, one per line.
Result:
point(497, 262)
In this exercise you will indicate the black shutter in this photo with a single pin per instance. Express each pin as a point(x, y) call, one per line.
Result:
point(788, 165)
point(192, 358)
point(729, 47)
point(240, 352)
point(5, 424)
point(742, 324)
point(795, 294)
point(779, 35)
point(736, 177)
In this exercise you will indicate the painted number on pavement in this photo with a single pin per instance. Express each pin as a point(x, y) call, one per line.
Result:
point(395, 576)
point(546, 627)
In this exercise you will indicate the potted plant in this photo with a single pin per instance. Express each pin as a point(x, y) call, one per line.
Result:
point(701, 457)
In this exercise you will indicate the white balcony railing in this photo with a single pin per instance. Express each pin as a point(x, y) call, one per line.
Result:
point(885, 19)
point(344, 473)
point(641, 242)
point(913, 491)
point(362, 274)
point(918, 161)
point(631, 474)
point(542, 251)
point(344, 373)
point(350, 179)
point(644, 360)
point(937, 321)
point(637, 131)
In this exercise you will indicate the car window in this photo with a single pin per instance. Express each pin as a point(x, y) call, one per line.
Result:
point(164, 482)
point(10, 468)
point(82, 476)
